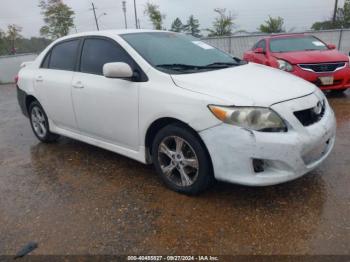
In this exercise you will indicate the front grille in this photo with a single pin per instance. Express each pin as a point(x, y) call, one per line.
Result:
point(323, 68)
point(311, 116)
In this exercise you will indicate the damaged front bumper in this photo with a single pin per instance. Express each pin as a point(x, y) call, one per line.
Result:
point(260, 159)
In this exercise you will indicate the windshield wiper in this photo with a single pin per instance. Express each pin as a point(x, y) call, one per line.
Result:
point(297, 50)
point(185, 67)
point(221, 64)
point(180, 66)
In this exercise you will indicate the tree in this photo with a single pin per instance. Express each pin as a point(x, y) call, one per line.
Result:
point(343, 16)
point(177, 26)
point(192, 27)
point(58, 18)
point(2, 42)
point(346, 14)
point(24, 45)
point(154, 15)
point(342, 19)
point(12, 34)
point(273, 25)
point(223, 24)
point(326, 25)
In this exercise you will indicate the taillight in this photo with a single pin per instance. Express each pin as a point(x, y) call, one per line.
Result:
point(16, 79)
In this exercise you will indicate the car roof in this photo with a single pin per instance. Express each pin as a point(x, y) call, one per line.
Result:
point(111, 33)
point(285, 36)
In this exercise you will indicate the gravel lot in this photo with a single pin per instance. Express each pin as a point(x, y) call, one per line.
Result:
point(73, 198)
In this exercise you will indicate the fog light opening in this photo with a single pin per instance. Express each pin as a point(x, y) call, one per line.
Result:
point(258, 165)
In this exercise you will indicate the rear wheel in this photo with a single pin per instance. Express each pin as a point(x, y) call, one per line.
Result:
point(181, 160)
point(40, 123)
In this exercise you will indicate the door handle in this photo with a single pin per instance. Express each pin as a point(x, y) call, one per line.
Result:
point(39, 79)
point(78, 85)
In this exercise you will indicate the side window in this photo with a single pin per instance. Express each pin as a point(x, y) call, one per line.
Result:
point(63, 55)
point(262, 44)
point(45, 62)
point(97, 52)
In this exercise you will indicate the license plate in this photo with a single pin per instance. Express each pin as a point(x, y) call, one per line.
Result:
point(327, 80)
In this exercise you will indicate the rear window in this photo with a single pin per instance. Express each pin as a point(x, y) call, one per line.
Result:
point(63, 55)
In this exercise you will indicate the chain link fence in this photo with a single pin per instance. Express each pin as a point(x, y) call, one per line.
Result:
point(237, 45)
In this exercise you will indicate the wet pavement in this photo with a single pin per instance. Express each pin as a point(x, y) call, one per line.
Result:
point(73, 198)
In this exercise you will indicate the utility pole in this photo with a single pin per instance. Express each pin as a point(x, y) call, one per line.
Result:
point(136, 20)
point(335, 11)
point(124, 10)
point(94, 9)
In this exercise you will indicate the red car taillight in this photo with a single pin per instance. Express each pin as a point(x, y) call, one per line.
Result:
point(16, 79)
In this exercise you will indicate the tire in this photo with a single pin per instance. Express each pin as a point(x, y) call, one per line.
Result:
point(181, 160)
point(40, 123)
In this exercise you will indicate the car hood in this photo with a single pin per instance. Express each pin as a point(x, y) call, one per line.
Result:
point(247, 85)
point(308, 57)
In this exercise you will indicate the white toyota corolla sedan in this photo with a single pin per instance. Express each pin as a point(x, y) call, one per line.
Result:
point(172, 100)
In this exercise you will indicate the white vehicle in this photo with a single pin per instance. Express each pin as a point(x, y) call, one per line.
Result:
point(193, 111)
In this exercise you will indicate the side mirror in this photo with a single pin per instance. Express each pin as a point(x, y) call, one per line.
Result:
point(117, 70)
point(259, 50)
point(332, 47)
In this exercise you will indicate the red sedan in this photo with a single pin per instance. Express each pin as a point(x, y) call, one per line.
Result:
point(305, 56)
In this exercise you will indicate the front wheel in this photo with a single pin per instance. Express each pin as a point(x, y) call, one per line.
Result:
point(181, 160)
point(40, 123)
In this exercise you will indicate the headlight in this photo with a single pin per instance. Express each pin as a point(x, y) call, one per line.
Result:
point(349, 61)
point(255, 118)
point(284, 65)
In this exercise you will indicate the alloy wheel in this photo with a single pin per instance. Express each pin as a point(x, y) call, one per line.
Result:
point(38, 121)
point(178, 161)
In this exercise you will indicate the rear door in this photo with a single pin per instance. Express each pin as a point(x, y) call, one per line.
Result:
point(53, 83)
point(106, 108)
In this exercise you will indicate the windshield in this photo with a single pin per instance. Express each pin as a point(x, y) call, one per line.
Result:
point(177, 53)
point(292, 44)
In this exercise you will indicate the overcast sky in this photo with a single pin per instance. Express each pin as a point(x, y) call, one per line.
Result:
point(298, 14)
